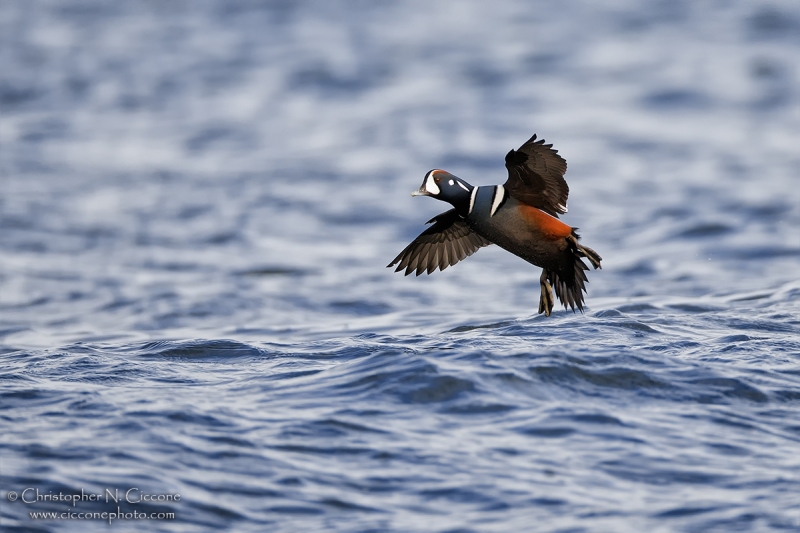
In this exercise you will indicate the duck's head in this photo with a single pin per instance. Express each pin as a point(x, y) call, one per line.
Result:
point(444, 186)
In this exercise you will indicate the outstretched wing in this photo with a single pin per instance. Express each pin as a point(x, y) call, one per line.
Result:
point(536, 177)
point(442, 245)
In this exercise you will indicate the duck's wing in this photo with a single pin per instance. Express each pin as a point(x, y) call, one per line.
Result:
point(536, 177)
point(442, 245)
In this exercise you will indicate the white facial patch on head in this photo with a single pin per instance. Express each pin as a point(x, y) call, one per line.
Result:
point(451, 182)
point(430, 184)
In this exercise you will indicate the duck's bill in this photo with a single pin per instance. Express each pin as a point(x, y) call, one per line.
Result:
point(421, 192)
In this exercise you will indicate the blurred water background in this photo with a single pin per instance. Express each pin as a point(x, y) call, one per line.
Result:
point(198, 200)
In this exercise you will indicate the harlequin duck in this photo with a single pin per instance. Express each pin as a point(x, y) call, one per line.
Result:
point(520, 216)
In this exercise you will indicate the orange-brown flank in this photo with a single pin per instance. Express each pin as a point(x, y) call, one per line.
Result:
point(550, 226)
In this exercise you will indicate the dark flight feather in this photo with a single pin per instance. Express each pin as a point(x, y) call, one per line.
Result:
point(442, 245)
point(536, 177)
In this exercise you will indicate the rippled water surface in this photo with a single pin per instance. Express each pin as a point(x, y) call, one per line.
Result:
point(198, 200)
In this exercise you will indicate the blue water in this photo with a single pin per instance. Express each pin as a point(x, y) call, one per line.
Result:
point(198, 200)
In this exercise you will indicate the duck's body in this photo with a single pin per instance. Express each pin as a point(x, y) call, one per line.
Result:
point(523, 230)
point(520, 217)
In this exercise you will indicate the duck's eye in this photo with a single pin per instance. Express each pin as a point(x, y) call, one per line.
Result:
point(451, 182)
point(437, 179)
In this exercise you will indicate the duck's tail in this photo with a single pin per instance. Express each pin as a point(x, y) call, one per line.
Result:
point(569, 281)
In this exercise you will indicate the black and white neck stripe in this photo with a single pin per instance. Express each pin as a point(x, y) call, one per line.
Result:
point(498, 199)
